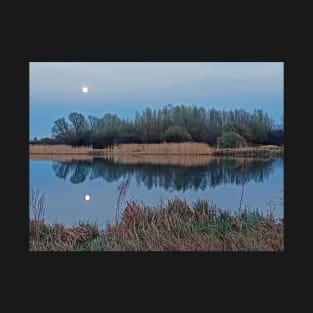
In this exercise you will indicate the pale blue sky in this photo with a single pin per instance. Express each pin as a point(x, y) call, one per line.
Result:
point(126, 87)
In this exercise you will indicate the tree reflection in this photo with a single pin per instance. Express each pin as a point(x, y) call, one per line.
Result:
point(171, 177)
point(61, 169)
point(78, 170)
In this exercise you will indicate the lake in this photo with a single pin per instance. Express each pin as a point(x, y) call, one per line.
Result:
point(228, 183)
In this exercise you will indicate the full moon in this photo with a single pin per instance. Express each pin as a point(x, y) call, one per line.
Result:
point(87, 197)
point(85, 89)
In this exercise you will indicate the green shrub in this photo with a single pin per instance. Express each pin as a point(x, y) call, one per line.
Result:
point(176, 134)
point(230, 139)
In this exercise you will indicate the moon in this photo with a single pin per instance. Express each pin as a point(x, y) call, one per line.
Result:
point(87, 197)
point(85, 89)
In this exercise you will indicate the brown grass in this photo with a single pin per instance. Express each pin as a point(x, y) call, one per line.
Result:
point(123, 151)
point(174, 226)
point(59, 238)
point(59, 149)
point(187, 148)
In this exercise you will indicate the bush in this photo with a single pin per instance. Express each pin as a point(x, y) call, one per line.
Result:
point(176, 134)
point(275, 137)
point(100, 141)
point(128, 138)
point(97, 142)
point(110, 137)
point(230, 139)
point(242, 130)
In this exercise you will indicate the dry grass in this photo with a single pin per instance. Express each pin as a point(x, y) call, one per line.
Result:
point(123, 151)
point(59, 149)
point(174, 226)
point(185, 148)
point(59, 238)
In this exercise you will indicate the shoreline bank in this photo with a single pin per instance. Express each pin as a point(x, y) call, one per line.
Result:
point(168, 149)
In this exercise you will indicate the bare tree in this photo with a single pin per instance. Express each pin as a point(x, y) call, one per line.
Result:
point(60, 127)
point(78, 121)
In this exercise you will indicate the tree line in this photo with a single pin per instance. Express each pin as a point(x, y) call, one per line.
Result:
point(170, 123)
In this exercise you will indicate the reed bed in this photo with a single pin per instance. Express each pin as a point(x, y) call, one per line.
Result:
point(59, 149)
point(122, 151)
point(171, 226)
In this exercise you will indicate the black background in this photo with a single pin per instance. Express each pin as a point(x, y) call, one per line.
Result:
point(239, 279)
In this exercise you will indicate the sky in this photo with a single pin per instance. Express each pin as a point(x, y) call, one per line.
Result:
point(123, 88)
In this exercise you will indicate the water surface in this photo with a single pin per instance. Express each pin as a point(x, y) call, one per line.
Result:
point(219, 180)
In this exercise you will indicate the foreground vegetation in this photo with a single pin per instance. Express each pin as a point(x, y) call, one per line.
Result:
point(172, 226)
point(226, 129)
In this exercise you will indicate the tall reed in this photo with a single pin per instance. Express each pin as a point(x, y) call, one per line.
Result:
point(37, 205)
point(121, 192)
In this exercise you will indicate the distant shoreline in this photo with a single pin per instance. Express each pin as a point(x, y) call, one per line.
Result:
point(168, 149)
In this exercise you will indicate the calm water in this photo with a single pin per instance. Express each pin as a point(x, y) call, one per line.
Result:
point(221, 181)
